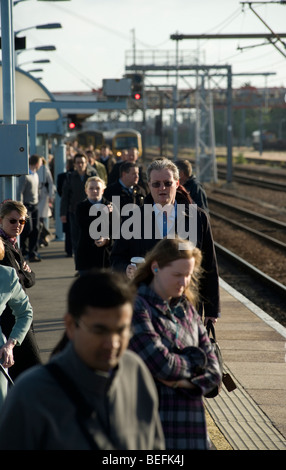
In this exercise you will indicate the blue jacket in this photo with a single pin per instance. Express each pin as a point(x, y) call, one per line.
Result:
point(12, 293)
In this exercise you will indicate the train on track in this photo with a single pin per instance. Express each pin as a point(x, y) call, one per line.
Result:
point(121, 139)
point(88, 138)
point(117, 139)
point(269, 141)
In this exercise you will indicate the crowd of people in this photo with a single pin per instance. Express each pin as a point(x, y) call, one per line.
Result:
point(135, 360)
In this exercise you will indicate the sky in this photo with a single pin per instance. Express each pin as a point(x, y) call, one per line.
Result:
point(97, 35)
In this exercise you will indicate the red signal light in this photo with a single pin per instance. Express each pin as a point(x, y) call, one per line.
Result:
point(71, 125)
point(137, 96)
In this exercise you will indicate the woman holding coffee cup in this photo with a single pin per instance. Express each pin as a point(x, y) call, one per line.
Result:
point(169, 335)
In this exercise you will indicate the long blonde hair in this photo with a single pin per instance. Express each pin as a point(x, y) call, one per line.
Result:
point(164, 253)
point(2, 249)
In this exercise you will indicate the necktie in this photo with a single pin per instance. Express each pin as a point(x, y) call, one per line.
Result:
point(165, 228)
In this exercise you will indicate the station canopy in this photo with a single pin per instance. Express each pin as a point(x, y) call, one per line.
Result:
point(28, 89)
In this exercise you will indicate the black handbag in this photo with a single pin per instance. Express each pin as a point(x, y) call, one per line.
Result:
point(216, 349)
point(226, 378)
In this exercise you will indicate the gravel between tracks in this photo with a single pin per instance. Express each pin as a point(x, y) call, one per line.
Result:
point(269, 260)
point(259, 253)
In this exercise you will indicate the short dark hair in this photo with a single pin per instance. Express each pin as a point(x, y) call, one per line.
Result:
point(34, 159)
point(99, 288)
point(185, 166)
point(79, 155)
point(126, 166)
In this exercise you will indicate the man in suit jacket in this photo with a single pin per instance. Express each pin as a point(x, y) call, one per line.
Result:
point(184, 219)
point(126, 187)
point(132, 157)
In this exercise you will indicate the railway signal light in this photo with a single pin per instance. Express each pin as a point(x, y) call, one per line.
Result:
point(137, 87)
point(72, 125)
point(73, 122)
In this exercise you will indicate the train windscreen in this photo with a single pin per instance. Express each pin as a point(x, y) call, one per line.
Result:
point(126, 142)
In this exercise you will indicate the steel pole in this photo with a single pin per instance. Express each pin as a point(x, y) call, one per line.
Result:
point(8, 76)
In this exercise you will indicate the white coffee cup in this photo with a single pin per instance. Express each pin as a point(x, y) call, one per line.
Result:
point(137, 260)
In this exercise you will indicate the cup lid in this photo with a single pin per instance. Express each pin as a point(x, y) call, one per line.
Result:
point(137, 259)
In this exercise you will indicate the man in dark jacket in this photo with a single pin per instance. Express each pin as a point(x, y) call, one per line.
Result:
point(66, 226)
point(106, 158)
point(73, 192)
point(190, 183)
point(126, 187)
point(185, 219)
point(132, 157)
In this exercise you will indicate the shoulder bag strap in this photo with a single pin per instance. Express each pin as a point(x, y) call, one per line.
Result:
point(211, 329)
point(84, 410)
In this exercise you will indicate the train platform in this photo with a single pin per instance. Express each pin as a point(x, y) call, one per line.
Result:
point(251, 417)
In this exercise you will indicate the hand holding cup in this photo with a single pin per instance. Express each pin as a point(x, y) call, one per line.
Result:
point(132, 267)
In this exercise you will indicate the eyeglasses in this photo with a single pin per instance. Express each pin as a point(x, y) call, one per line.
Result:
point(101, 330)
point(15, 221)
point(157, 184)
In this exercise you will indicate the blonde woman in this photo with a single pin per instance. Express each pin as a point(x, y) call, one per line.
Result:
point(170, 337)
point(92, 253)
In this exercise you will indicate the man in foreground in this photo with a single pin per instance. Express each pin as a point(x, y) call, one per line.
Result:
point(118, 408)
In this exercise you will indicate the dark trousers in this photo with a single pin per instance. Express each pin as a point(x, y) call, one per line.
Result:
point(27, 354)
point(74, 232)
point(68, 241)
point(30, 234)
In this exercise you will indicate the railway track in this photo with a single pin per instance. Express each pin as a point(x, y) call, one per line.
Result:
point(258, 172)
point(242, 198)
point(251, 222)
point(255, 181)
point(261, 289)
point(240, 235)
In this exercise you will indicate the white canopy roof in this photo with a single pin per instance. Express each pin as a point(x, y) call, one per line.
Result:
point(28, 89)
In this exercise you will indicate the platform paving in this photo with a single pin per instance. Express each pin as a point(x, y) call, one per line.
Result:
point(252, 417)
point(54, 275)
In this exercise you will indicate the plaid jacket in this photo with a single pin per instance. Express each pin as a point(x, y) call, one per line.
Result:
point(161, 332)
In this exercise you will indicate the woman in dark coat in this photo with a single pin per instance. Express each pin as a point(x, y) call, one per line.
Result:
point(12, 221)
point(93, 250)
